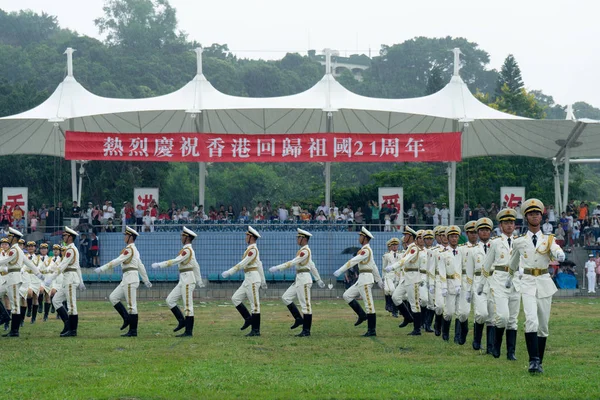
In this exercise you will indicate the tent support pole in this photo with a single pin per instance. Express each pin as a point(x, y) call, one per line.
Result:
point(329, 127)
point(452, 190)
point(557, 198)
point(74, 189)
point(566, 180)
point(201, 183)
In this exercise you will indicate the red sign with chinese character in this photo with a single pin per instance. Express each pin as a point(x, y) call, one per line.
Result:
point(307, 147)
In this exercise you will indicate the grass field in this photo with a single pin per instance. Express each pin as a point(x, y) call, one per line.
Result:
point(334, 363)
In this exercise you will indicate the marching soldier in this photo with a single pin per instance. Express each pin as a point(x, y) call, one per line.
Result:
point(254, 279)
point(72, 280)
point(368, 273)
point(461, 323)
point(531, 255)
point(435, 282)
point(301, 287)
point(133, 268)
point(450, 278)
point(507, 301)
point(483, 309)
point(31, 293)
point(389, 278)
point(4, 314)
point(427, 299)
point(189, 277)
point(56, 284)
point(44, 263)
point(403, 304)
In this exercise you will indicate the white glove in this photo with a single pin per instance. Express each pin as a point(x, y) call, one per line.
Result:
point(40, 276)
point(273, 269)
point(155, 265)
point(508, 283)
point(480, 289)
point(560, 257)
point(225, 274)
point(468, 296)
point(444, 292)
point(457, 290)
point(521, 272)
point(81, 286)
point(148, 284)
point(263, 285)
point(380, 284)
point(321, 284)
point(97, 270)
point(388, 268)
point(48, 282)
point(4, 269)
point(431, 289)
point(337, 273)
point(200, 284)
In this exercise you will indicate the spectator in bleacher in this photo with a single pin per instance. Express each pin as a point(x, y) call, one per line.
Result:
point(445, 215)
point(321, 216)
point(147, 221)
point(154, 212)
point(384, 213)
point(359, 216)
point(244, 215)
point(212, 214)
point(348, 213)
point(258, 210)
point(42, 214)
point(130, 213)
point(107, 212)
point(480, 211)
point(268, 208)
point(164, 216)
point(519, 221)
point(75, 214)
point(311, 211)
point(123, 216)
point(551, 215)
point(395, 217)
point(547, 228)
point(295, 211)
point(109, 226)
point(559, 235)
point(331, 217)
point(323, 208)
point(17, 213)
point(583, 212)
point(336, 211)
point(230, 213)
point(195, 208)
point(84, 248)
point(492, 211)
point(576, 232)
point(274, 216)
point(19, 224)
point(374, 215)
point(412, 214)
point(185, 214)
point(564, 222)
point(466, 212)
point(571, 207)
point(139, 215)
point(569, 236)
point(94, 250)
point(33, 222)
point(282, 213)
point(437, 218)
point(305, 216)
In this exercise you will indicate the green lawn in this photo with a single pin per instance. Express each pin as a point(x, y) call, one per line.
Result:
point(336, 362)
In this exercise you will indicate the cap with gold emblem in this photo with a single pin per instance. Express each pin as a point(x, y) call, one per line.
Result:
point(452, 230)
point(441, 230)
point(484, 223)
point(506, 214)
point(31, 243)
point(189, 233)
point(21, 241)
point(303, 233)
point(253, 232)
point(428, 234)
point(56, 247)
point(130, 231)
point(71, 231)
point(530, 205)
point(392, 242)
point(365, 232)
point(470, 226)
point(420, 233)
point(4, 240)
point(44, 246)
point(410, 231)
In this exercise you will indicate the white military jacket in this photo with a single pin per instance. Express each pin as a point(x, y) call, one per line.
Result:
point(189, 269)
point(13, 260)
point(251, 265)
point(463, 254)
point(534, 261)
point(498, 257)
point(132, 265)
point(389, 258)
point(69, 267)
point(368, 272)
point(432, 269)
point(474, 264)
point(410, 264)
point(449, 269)
point(304, 266)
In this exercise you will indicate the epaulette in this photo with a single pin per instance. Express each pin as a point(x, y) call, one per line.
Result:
point(495, 237)
point(461, 245)
point(523, 234)
point(443, 250)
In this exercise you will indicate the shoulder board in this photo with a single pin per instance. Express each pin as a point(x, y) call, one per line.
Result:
point(524, 234)
point(443, 250)
point(461, 245)
point(495, 237)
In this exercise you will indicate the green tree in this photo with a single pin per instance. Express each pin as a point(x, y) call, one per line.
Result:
point(435, 82)
point(510, 75)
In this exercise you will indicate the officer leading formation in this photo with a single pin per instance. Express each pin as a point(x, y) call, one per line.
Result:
point(432, 280)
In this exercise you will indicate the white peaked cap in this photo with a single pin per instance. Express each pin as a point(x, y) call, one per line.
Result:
point(304, 233)
point(189, 232)
point(131, 231)
point(253, 232)
point(71, 231)
point(15, 232)
point(365, 232)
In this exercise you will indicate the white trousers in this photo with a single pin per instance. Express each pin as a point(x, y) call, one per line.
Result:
point(364, 291)
point(537, 314)
point(302, 292)
point(388, 286)
point(464, 307)
point(248, 291)
point(12, 291)
point(451, 306)
point(66, 293)
point(423, 294)
point(410, 291)
point(185, 292)
point(439, 302)
point(484, 308)
point(506, 308)
point(127, 292)
point(591, 283)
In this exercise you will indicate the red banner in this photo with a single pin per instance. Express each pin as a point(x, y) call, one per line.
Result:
point(307, 147)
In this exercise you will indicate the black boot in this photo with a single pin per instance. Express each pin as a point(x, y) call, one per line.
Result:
point(255, 325)
point(437, 327)
point(123, 313)
point(65, 305)
point(428, 320)
point(4, 315)
point(362, 316)
point(531, 340)
point(541, 350)
point(7, 325)
point(62, 313)
point(371, 325)
point(189, 327)
point(133, 325)
point(14, 326)
point(245, 314)
point(477, 334)
point(52, 310)
point(464, 331)
point(490, 339)
point(29, 306)
point(306, 326)
point(46, 311)
point(417, 325)
point(180, 320)
point(34, 312)
point(22, 319)
point(296, 314)
point(405, 311)
point(40, 302)
point(511, 344)
point(457, 333)
point(498, 335)
point(73, 322)
point(388, 300)
point(446, 330)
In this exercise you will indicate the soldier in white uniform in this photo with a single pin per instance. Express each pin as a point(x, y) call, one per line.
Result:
point(427, 307)
point(507, 301)
point(590, 267)
point(31, 293)
point(410, 264)
point(4, 314)
point(463, 310)
point(44, 263)
point(189, 278)
point(483, 309)
point(531, 255)
point(435, 283)
point(401, 302)
point(133, 268)
point(450, 278)
point(368, 273)
point(58, 251)
point(389, 278)
point(72, 280)
point(12, 263)
point(254, 279)
point(301, 287)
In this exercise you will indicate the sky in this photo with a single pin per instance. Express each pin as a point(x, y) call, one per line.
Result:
point(555, 43)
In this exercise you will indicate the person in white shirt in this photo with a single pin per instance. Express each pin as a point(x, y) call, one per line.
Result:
point(596, 210)
point(437, 219)
point(590, 268)
point(296, 211)
point(551, 215)
point(323, 208)
point(445, 214)
point(282, 212)
point(547, 228)
point(147, 220)
point(336, 211)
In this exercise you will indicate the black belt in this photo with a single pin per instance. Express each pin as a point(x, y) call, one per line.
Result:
point(71, 270)
point(189, 269)
point(302, 270)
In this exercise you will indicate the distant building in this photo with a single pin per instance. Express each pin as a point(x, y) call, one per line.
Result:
point(355, 63)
